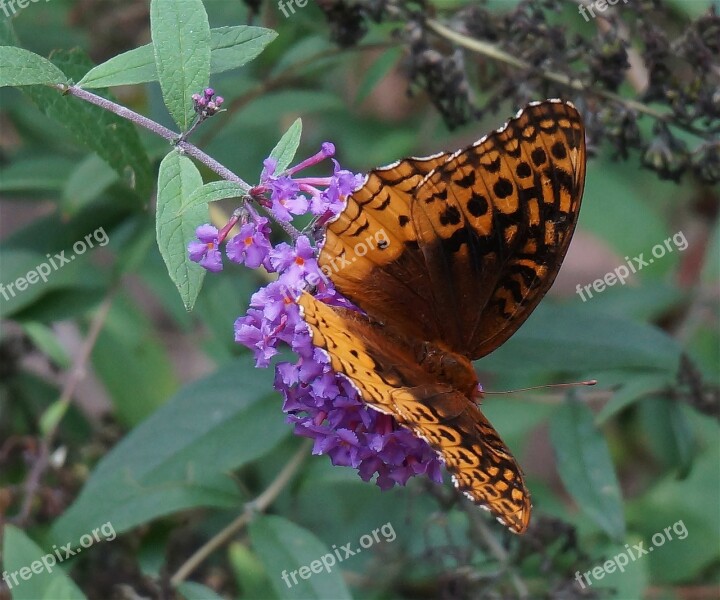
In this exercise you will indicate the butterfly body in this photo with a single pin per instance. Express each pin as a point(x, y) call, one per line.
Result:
point(472, 240)
point(448, 367)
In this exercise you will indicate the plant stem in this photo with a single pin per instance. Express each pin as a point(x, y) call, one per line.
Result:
point(260, 504)
point(172, 137)
point(500, 55)
point(76, 375)
point(495, 548)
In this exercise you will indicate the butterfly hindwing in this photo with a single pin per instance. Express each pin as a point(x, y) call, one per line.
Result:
point(480, 464)
point(383, 368)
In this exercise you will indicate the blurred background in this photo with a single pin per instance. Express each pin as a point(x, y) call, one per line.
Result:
point(108, 335)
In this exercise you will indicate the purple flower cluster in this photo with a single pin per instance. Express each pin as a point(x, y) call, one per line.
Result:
point(321, 404)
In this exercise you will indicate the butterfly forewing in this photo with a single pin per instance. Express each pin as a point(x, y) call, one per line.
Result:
point(474, 243)
point(536, 194)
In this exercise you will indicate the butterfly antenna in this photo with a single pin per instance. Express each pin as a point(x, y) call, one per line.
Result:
point(549, 385)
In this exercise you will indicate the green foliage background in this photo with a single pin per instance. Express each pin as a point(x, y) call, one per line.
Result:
point(179, 434)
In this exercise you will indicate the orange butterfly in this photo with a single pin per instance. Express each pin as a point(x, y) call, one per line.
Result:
point(471, 242)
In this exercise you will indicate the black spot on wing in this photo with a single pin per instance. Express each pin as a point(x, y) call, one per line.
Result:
point(538, 156)
point(450, 216)
point(467, 181)
point(477, 205)
point(503, 188)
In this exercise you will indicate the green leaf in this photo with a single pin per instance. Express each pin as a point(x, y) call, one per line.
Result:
point(179, 457)
point(129, 339)
point(235, 46)
point(213, 191)
point(646, 303)
point(27, 275)
point(231, 47)
point(64, 304)
point(90, 178)
point(22, 67)
point(113, 138)
point(633, 389)
point(585, 467)
point(250, 574)
point(181, 41)
point(614, 206)
point(222, 300)
point(8, 37)
point(175, 226)
point(190, 590)
point(516, 419)
point(36, 174)
point(34, 574)
point(287, 549)
point(153, 271)
point(129, 68)
point(303, 56)
point(52, 415)
point(565, 338)
point(630, 582)
point(45, 340)
point(693, 10)
point(376, 72)
point(137, 247)
point(689, 507)
point(711, 267)
point(284, 151)
point(704, 349)
point(668, 433)
point(263, 111)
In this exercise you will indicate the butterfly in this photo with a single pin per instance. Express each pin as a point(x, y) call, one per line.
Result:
point(470, 242)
